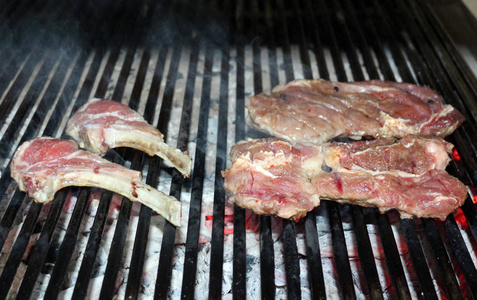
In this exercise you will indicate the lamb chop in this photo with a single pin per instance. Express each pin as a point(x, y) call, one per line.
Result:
point(101, 125)
point(271, 176)
point(316, 111)
point(43, 166)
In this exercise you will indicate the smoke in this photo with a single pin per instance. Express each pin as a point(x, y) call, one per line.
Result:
point(53, 53)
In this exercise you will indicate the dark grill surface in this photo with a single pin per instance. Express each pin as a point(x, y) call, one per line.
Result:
point(189, 68)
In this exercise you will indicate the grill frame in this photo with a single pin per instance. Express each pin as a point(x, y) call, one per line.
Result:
point(365, 36)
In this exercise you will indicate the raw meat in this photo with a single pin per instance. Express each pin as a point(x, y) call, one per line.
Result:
point(271, 176)
point(101, 125)
point(43, 166)
point(316, 111)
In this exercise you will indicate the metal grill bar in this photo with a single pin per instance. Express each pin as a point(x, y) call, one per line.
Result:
point(458, 244)
point(83, 264)
point(119, 239)
point(312, 243)
point(190, 263)
point(292, 265)
point(446, 272)
point(455, 65)
point(267, 254)
point(66, 249)
point(142, 231)
point(410, 234)
point(87, 264)
point(341, 257)
point(395, 268)
point(365, 252)
point(165, 262)
point(266, 44)
point(239, 247)
point(81, 286)
point(18, 249)
point(38, 255)
point(30, 131)
point(426, 54)
point(140, 241)
point(362, 237)
point(217, 251)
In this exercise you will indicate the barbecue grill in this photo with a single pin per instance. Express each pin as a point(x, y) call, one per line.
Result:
point(189, 68)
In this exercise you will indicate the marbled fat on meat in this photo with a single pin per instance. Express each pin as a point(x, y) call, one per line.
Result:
point(45, 165)
point(271, 176)
point(101, 125)
point(268, 177)
point(409, 154)
point(316, 111)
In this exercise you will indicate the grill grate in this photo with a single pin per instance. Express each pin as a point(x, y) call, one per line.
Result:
point(189, 69)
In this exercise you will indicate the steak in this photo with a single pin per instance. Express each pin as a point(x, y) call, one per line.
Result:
point(43, 166)
point(271, 176)
point(101, 125)
point(316, 111)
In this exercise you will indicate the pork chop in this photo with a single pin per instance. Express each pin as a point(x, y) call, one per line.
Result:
point(43, 166)
point(100, 125)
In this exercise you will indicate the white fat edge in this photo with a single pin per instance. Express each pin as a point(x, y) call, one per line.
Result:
point(137, 116)
point(83, 107)
point(245, 159)
point(313, 165)
point(433, 147)
point(23, 165)
point(438, 150)
point(50, 185)
point(278, 158)
point(281, 87)
point(363, 89)
point(378, 88)
point(445, 111)
point(84, 155)
point(94, 100)
point(378, 174)
point(305, 82)
point(358, 136)
point(260, 169)
point(296, 82)
point(410, 144)
point(391, 124)
point(439, 198)
point(315, 199)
